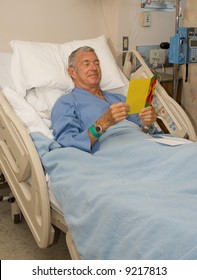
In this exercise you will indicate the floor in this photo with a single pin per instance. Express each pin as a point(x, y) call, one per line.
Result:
point(17, 242)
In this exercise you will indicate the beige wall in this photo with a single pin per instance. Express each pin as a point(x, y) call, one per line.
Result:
point(49, 20)
point(64, 20)
point(124, 18)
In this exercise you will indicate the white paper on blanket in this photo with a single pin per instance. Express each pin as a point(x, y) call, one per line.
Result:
point(169, 140)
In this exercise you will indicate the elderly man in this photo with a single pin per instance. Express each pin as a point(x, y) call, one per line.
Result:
point(82, 116)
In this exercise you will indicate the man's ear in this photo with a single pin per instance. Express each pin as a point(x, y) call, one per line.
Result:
point(71, 72)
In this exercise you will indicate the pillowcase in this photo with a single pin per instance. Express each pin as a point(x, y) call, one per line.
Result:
point(42, 100)
point(111, 77)
point(35, 64)
point(5, 76)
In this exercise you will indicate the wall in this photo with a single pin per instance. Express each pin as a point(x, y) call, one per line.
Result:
point(189, 95)
point(124, 18)
point(64, 20)
point(49, 20)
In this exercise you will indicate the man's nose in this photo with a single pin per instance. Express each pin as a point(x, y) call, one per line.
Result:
point(93, 66)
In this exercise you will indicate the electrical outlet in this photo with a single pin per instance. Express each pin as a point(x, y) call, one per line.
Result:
point(147, 19)
point(144, 51)
point(125, 43)
point(157, 56)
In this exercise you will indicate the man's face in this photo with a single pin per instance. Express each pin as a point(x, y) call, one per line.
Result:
point(87, 73)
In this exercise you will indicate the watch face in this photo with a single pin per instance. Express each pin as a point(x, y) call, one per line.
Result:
point(98, 129)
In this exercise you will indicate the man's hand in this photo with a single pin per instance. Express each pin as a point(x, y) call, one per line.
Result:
point(148, 116)
point(117, 112)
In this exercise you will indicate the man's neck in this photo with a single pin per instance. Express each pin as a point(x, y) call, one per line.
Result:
point(95, 91)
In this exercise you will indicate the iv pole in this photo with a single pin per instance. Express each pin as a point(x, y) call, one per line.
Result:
point(176, 67)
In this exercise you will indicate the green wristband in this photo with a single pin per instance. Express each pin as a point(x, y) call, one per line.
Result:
point(94, 132)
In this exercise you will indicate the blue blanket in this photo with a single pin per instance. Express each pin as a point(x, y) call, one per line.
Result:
point(133, 199)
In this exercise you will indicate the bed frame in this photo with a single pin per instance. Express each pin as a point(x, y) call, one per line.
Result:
point(22, 168)
point(134, 63)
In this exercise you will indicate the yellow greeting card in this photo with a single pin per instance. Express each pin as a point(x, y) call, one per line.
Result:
point(137, 94)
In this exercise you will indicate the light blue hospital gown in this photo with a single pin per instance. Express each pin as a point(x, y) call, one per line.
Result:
point(74, 113)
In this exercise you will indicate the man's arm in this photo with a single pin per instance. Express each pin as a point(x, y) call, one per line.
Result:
point(116, 113)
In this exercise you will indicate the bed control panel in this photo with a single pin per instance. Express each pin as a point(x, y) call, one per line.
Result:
point(165, 121)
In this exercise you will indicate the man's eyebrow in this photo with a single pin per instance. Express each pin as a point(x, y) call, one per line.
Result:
point(88, 60)
point(85, 60)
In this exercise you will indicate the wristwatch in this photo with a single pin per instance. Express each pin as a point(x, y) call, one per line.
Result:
point(149, 129)
point(98, 128)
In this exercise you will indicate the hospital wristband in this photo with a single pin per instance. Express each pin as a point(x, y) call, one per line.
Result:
point(93, 131)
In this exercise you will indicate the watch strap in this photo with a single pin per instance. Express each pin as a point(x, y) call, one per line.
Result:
point(149, 129)
point(93, 131)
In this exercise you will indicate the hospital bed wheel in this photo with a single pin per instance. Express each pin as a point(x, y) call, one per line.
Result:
point(17, 218)
point(15, 210)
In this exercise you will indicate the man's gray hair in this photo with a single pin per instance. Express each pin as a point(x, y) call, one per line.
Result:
point(73, 55)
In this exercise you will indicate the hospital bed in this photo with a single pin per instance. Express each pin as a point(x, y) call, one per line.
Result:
point(27, 145)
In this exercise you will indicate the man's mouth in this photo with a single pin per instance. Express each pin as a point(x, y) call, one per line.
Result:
point(93, 75)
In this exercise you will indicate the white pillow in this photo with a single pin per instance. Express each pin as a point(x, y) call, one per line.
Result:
point(111, 77)
point(42, 100)
point(5, 76)
point(35, 64)
point(26, 113)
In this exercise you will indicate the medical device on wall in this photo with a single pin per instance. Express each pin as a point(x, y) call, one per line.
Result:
point(183, 46)
point(158, 5)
